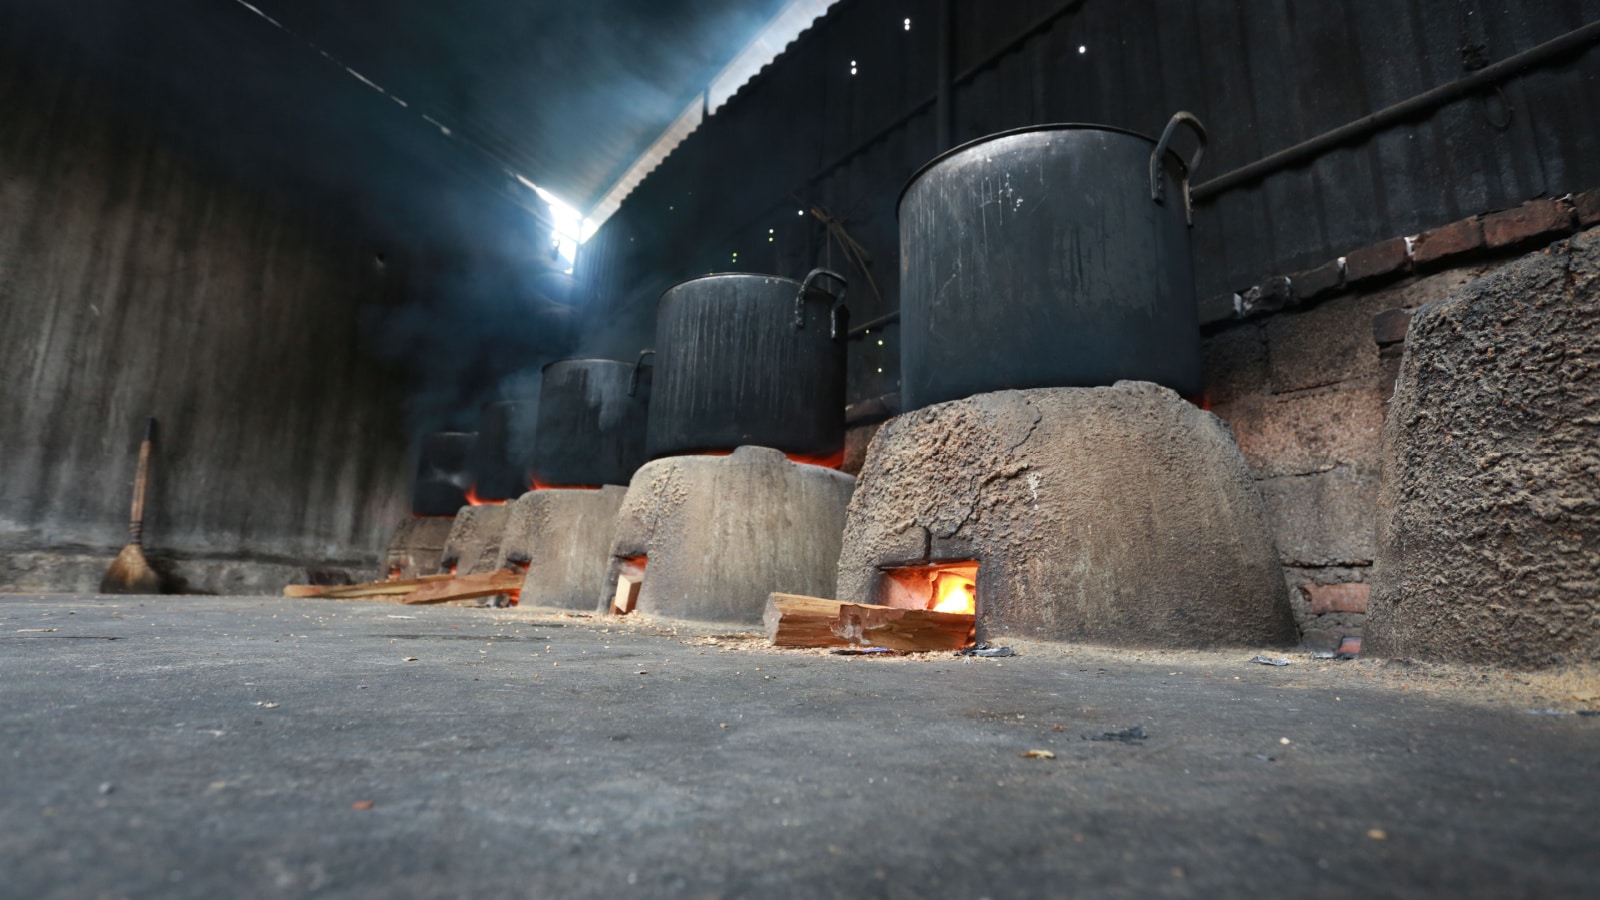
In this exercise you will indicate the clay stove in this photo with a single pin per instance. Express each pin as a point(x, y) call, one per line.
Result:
point(710, 537)
point(1121, 515)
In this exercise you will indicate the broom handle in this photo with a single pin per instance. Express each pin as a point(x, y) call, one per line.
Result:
point(136, 517)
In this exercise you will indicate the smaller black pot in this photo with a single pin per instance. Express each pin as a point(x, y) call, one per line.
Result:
point(750, 359)
point(503, 453)
point(591, 424)
point(443, 473)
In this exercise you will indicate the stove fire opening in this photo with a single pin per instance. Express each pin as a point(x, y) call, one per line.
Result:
point(630, 579)
point(950, 586)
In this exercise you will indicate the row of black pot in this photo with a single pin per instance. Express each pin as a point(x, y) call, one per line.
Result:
point(1052, 256)
point(740, 359)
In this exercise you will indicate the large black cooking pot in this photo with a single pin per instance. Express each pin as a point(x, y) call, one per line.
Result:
point(750, 359)
point(591, 423)
point(502, 454)
point(1054, 256)
point(444, 473)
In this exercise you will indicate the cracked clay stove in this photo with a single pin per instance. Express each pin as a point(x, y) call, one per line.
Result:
point(1120, 515)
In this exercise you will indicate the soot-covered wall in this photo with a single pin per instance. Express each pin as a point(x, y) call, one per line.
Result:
point(136, 281)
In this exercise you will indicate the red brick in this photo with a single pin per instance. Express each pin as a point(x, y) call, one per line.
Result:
point(1390, 326)
point(1376, 261)
point(1350, 597)
point(1454, 239)
point(1534, 219)
point(1587, 206)
point(1313, 283)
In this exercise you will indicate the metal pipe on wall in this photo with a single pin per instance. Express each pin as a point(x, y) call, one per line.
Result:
point(1427, 101)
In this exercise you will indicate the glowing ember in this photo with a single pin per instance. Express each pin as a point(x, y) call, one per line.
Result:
point(955, 594)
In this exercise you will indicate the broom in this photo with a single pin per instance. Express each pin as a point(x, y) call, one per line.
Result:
point(129, 573)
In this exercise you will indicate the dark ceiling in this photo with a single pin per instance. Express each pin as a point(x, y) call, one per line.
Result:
point(567, 94)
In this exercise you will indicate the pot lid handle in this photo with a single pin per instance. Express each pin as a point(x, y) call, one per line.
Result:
point(1158, 189)
point(808, 284)
point(633, 380)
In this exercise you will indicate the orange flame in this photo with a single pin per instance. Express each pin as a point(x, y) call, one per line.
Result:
point(955, 594)
point(474, 500)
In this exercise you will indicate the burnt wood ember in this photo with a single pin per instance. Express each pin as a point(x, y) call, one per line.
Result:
point(1119, 515)
point(720, 533)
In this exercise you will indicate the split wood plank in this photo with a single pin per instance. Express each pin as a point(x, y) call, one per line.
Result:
point(361, 591)
point(903, 629)
point(466, 587)
point(627, 595)
point(795, 620)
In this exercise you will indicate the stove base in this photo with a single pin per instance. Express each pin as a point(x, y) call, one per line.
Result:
point(564, 538)
point(417, 547)
point(473, 546)
point(721, 533)
point(1120, 515)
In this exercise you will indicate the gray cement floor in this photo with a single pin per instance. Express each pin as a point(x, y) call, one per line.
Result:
point(222, 747)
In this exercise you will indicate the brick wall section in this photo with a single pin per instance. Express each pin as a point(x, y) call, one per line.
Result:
point(1305, 372)
point(1304, 391)
point(1503, 233)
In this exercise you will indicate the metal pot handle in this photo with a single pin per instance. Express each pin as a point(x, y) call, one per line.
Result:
point(633, 380)
point(808, 284)
point(1158, 189)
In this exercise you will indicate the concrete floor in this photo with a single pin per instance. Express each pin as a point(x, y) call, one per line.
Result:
point(221, 747)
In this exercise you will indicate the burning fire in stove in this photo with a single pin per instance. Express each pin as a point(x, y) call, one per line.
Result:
point(955, 594)
point(950, 587)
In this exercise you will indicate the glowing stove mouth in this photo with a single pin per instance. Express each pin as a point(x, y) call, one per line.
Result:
point(950, 587)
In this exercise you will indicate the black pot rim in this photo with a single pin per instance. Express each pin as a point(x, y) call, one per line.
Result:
point(1060, 126)
point(583, 359)
point(678, 284)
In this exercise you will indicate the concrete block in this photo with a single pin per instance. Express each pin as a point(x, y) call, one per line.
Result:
point(1119, 515)
point(1531, 221)
point(1326, 519)
point(1381, 260)
point(721, 533)
point(1490, 509)
point(1446, 241)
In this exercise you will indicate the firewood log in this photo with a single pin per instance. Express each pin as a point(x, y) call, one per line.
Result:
point(903, 629)
point(466, 587)
point(793, 620)
point(361, 591)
